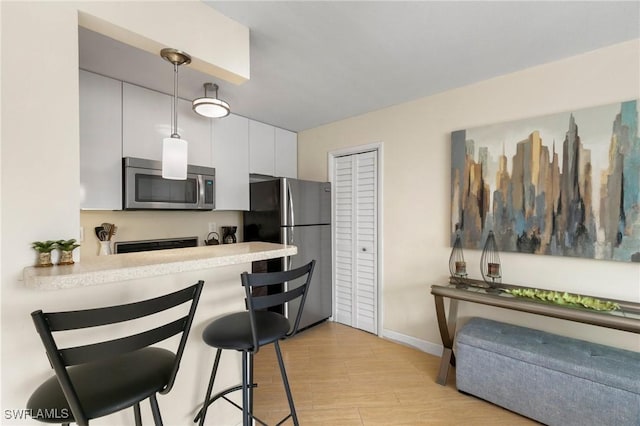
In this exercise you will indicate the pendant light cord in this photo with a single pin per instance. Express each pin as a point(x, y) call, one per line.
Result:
point(174, 108)
point(177, 58)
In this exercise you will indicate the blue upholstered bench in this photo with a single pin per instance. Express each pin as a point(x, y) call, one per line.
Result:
point(553, 379)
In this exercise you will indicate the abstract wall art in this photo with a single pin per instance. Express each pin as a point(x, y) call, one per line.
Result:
point(566, 184)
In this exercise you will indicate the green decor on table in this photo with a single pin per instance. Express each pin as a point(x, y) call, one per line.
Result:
point(564, 298)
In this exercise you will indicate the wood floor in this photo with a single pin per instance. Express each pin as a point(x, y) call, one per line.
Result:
point(341, 376)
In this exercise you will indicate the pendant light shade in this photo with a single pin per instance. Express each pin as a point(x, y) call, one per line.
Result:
point(174, 149)
point(211, 107)
point(174, 158)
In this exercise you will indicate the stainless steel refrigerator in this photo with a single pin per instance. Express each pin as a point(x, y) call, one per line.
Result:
point(297, 212)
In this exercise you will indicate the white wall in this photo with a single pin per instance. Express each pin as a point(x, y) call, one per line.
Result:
point(416, 139)
point(39, 166)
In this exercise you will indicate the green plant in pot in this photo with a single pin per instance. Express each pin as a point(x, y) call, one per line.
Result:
point(66, 251)
point(44, 249)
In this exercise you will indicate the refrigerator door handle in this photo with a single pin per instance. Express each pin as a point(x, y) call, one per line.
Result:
point(292, 220)
point(290, 205)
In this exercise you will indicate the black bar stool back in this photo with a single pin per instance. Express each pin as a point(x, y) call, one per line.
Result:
point(257, 326)
point(98, 379)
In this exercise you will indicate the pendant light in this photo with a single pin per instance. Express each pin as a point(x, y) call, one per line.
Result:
point(211, 107)
point(174, 149)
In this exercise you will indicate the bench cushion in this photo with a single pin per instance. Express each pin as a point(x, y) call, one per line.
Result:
point(614, 367)
point(550, 378)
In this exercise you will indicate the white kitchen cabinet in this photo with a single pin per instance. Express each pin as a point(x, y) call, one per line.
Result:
point(147, 121)
point(100, 142)
point(231, 160)
point(196, 130)
point(119, 119)
point(286, 153)
point(272, 151)
point(261, 148)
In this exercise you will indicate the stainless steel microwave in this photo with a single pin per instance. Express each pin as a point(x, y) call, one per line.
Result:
point(144, 188)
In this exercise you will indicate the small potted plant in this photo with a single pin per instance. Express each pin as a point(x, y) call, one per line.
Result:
point(44, 249)
point(66, 251)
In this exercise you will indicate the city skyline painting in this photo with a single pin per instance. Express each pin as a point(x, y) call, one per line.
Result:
point(566, 184)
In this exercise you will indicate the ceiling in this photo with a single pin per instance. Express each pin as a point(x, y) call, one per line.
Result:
point(317, 62)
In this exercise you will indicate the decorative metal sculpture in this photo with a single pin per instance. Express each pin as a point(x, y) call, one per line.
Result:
point(490, 264)
point(457, 265)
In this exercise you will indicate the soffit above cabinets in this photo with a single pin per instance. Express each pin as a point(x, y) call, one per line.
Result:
point(106, 56)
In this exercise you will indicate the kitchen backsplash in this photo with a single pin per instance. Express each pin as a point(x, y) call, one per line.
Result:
point(146, 225)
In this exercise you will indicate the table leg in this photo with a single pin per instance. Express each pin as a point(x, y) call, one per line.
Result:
point(447, 333)
point(443, 371)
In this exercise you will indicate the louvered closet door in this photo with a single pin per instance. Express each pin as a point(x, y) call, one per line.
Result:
point(355, 188)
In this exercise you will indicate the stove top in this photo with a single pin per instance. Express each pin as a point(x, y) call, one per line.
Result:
point(149, 245)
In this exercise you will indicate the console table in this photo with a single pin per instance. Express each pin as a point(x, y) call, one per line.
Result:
point(627, 318)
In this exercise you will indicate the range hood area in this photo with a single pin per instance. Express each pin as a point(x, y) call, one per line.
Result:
point(154, 225)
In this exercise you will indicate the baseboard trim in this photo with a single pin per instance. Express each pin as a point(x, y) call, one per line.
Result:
point(423, 345)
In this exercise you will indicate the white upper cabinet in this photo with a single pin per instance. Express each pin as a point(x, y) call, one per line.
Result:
point(119, 119)
point(286, 153)
point(100, 142)
point(147, 121)
point(272, 151)
point(261, 148)
point(196, 130)
point(231, 160)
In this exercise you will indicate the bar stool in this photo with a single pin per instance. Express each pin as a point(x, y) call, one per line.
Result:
point(98, 379)
point(257, 326)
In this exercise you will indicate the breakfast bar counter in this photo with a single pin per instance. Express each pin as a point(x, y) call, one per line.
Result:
point(127, 266)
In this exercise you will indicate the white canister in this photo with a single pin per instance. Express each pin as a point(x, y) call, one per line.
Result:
point(105, 248)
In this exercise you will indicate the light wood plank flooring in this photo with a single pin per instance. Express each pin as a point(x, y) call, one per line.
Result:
point(341, 376)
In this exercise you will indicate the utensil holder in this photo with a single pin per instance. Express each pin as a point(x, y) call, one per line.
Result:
point(105, 248)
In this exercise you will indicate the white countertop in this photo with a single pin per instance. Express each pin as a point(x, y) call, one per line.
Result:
point(127, 266)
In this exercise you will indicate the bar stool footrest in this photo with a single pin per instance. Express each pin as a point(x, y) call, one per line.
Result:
point(284, 420)
point(223, 394)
